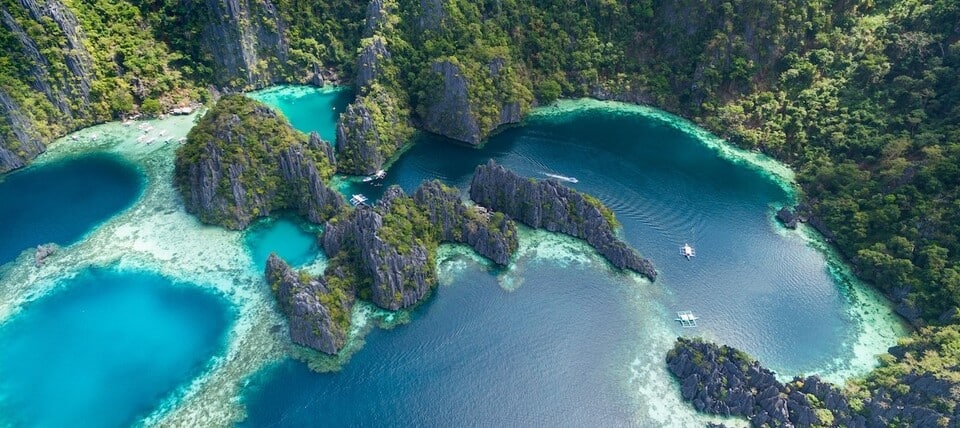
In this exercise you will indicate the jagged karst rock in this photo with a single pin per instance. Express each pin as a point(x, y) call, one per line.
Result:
point(370, 131)
point(724, 381)
point(23, 144)
point(450, 111)
point(549, 205)
point(243, 161)
point(392, 245)
point(318, 315)
point(241, 36)
point(491, 235)
point(398, 277)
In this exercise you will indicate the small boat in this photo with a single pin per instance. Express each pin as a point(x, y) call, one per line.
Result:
point(687, 251)
point(562, 178)
point(687, 319)
point(358, 199)
point(376, 176)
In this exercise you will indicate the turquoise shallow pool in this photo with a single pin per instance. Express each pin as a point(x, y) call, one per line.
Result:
point(288, 237)
point(106, 350)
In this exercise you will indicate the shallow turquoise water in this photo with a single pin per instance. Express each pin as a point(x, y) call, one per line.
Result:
point(309, 109)
point(60, 202)
point(106, 349)
point(293, 241)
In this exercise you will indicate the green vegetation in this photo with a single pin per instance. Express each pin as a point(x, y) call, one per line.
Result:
point(248, 138)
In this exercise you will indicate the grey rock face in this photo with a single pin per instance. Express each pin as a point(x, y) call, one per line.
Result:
point(239, 36)
point(397, 280)
point(60, 89)
point(490, 235)
point(723, 381)
point(451, 114)
point(214, 191)
point(362, 147)
point(24, 146)
point(312, 323)
point(43, 251)
point(372, 55)
point(549, 205)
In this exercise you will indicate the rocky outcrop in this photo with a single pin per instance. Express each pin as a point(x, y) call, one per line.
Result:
point(318, 315)
point(549, 205)
point(392, 245)
point(451, 111)
point(21, 145)
point(376, 125)
point(244, 161)
point(370, 132)
point(246, 41)
point(787, 218)
point(491, 235)
point(398, 278)
point(43, 251)
point(724, 381)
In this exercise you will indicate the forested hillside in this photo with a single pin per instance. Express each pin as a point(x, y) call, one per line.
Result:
point(860, 96)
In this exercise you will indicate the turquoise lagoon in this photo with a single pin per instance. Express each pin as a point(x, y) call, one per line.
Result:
point(106, 349)
point(558, 337)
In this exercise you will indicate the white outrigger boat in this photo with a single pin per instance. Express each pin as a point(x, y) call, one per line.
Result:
point(358, 200)
point(376, 176)
point(687, 318)
point(562, 178)
point(687, 251)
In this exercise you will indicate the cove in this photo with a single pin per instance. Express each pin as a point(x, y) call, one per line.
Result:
point(309, 109)
point(289, 238)
point(105, 348)
point(61, 201)
point(754, 286)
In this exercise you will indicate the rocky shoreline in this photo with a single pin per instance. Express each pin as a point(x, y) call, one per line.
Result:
point(724, 381)
point(549, 205)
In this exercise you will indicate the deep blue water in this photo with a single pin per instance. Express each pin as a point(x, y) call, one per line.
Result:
point(551, 353)
point(106, 349)
point(62, 201)
point(288, 238)
point(555, 351)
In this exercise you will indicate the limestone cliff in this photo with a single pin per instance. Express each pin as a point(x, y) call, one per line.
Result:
point(549, 205)
point(458, 108)
point(385, 246)
point(318, 315)
point(490, 234)
point(243, 161)
point(393, 244)
point(725, 381)
point(377, 124)
point(246, 41)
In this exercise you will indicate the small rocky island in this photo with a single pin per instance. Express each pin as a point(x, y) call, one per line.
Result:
point(244, 161)
point(725, 381)
point(547, 204)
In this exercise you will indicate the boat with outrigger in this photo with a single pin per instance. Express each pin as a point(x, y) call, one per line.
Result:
point(562, 177)
point(358, 200)
point(687, 251)
point(376, 176)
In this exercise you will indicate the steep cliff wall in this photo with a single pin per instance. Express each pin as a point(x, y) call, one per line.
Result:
point(393, 244)
point(318, 315)
point(549, 205)
point(377, 124)
point(244, 161)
